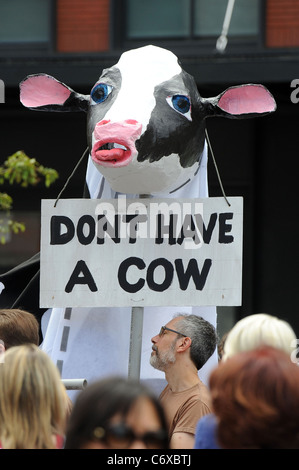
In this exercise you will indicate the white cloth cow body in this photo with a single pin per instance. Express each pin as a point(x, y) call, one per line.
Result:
point(146, 136)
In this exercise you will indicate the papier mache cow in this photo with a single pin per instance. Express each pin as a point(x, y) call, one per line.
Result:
point(146, 136)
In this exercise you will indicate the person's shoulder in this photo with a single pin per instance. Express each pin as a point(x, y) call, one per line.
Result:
point(201, 385)
point(205, 434)
point(207, 421)
point(199, 396)
point(199, 389)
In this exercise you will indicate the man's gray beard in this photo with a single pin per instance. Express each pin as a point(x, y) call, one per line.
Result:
point(161, 361)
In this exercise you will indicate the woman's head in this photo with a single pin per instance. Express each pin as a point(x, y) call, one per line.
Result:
point(258, 330)
point(255, 396)
point(33, 400)
point(116, 413)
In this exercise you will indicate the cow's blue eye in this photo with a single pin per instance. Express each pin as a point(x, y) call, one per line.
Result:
point(100, 92)
point(181, 104)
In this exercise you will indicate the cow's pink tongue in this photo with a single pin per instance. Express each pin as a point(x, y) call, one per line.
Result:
point(113, 154)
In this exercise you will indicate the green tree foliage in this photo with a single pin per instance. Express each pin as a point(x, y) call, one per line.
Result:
point(24, 171)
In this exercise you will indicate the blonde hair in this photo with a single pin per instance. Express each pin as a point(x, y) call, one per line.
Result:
point(33, 400)
point(257, 330)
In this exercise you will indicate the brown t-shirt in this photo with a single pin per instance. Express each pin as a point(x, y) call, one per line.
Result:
point(184, 409)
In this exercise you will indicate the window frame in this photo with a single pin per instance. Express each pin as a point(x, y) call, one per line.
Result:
point(190, 44)
point(23, 48)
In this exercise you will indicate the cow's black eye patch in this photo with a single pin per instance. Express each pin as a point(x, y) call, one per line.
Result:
point(100, 93)
point(181, 104)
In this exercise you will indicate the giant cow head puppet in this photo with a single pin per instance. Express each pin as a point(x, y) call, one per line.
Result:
point(146, 118)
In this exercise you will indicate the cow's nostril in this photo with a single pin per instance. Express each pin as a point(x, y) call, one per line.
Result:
point(102, 123)
point(131, 121)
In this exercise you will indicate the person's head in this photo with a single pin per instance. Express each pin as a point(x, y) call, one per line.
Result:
point(220, 346)
point(255, 396)
point(257, 330)
point(117, 413)
point(33, 400)
point(184, 334)
point(17, 327)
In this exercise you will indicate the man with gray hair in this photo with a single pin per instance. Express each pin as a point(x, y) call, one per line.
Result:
point(180, 349)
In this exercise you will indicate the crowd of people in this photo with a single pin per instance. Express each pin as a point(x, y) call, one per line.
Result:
point(250, 401)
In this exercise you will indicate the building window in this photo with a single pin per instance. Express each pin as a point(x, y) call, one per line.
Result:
point(209, 16)
point(193, 19)
point(158, 18)
point(25, 21)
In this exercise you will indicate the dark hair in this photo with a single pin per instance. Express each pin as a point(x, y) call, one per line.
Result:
point(18, 327)
point(202, 334)
point(255, 397)
point(100, 401)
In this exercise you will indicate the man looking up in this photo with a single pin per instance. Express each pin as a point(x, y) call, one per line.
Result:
point(180, 350)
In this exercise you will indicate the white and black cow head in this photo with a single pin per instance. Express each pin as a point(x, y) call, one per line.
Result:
point(146, 118)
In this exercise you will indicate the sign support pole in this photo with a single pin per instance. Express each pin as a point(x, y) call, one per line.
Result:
point(135, 342)
point(137, 314)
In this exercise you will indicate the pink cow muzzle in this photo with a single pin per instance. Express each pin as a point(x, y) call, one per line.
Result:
point(114, 144)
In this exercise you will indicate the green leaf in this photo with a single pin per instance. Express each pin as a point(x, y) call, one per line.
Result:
point(20, 169)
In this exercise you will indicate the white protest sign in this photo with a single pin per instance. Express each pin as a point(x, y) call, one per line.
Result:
point(141, 252)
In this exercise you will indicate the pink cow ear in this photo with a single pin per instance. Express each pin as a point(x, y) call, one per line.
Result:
point(246, 101)
point(43, 92)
